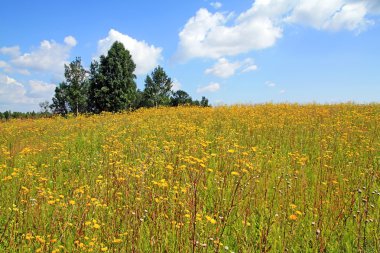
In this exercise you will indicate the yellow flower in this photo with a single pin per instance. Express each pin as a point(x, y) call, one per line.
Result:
point(117, 240)
point(293, 217)
point(104, 249)
point(210, 219)
point(29, 236)
point(235, 173)
point(72, 202)
point(96, 226)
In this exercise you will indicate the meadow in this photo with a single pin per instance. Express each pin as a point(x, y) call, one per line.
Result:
point(263, 178)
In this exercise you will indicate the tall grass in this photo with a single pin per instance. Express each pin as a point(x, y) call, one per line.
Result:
point(265, 178)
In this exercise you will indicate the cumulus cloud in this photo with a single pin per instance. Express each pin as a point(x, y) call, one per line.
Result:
point(209, 35)
point(270, 84)
point(49, 57)
point(350, 17)
point(216, 35)
point(216, 5)
point(144, 55)
point(71, 41)
point(12, 91)
point(224, 69)
point(40, 89)
point(212, 87)
point(331, 15)
point(17, 96)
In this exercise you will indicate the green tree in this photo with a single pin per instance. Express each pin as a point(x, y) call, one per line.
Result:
point(77, 86)
point(71, 95)
point(180, 97)
point(112, 82)
point(157, 88)
point(204, 102)
point(60, 105)
point(7, 115)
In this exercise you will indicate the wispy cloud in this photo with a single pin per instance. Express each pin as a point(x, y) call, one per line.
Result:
point(212, 87)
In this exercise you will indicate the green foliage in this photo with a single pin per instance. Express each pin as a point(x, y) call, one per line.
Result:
point(204, 102)
point(157, 88)
point(180, 97)
point(59, 105)
point(77, 86)
point(112, 84)
point(71, 95)
point(7, 115)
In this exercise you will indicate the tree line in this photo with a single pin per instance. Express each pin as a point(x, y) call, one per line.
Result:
point(110, 86)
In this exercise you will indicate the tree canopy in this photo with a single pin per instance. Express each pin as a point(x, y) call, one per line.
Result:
point(110, 86)
point(112, 81)
point(157, 88)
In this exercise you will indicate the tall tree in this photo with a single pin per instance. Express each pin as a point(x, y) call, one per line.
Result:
point(112, 82)
point(157, 88)
point(71, 95)
point(77, 86)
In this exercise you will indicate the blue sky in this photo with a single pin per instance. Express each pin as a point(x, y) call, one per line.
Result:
point(241, 51)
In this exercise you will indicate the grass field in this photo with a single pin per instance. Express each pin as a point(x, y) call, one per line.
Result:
point(265, 178)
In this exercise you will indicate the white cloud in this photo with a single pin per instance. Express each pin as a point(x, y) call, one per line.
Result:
point(144, 55)
point(12, 91)
point(3, 64)
point(208, 35)
point(216, 5)
point(49, 57)
point(350, 17)
point(331, 15)
point(9, 69)
point(270, 84)
point(224, 69)
point(70, 41)
point(11, 51)
point(212, 87)
point(16, 96)
point(282, 91)
point(40, 89)
point(248, 66)
point(216, 35)
point(176, 85)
